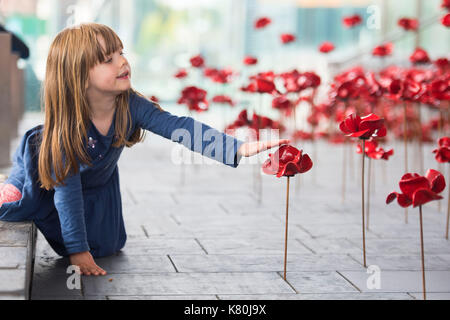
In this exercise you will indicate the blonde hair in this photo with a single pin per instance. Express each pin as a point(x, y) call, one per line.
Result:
point(72, 54)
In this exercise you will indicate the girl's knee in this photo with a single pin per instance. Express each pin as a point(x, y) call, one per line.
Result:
point(9, 193)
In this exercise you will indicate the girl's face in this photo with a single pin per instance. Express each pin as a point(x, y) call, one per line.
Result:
point(111, 76)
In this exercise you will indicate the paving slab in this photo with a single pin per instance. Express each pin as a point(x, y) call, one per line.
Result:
point(330, 246)
point(321, 296)
point(256, 245)
point(13, 257)
point(262, 263)
point(117, 263)
point(162, 245)
point(402, 281)
point(406, 262)
point(405, 246)
point(164, 297)
point(319, 282)
point(186, 284)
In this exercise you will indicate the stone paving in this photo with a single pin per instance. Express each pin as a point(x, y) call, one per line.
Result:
point(210, 237)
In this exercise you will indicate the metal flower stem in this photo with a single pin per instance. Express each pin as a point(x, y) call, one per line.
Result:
point(423, 254)
point(258, 173)
point(362, 204)
point(419, 118)
point(440, 126)
point(286, 231)
point(406, 149)
point(448, 209)
point(368, 193)
point(344, 169)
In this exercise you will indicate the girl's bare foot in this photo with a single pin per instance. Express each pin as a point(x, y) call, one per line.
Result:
point(86, 263)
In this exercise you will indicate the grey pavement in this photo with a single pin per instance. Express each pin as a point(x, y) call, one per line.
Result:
point(209, 237)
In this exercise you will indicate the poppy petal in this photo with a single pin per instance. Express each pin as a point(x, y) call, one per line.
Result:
point(381, 132)
point(358, 133)
point(305, 163)
point(436, 179)
point(402, 199)
point(423, 196)
point(391, 196)
point(409, 186)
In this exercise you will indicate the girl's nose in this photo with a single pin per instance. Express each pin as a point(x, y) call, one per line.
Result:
point(123, 61)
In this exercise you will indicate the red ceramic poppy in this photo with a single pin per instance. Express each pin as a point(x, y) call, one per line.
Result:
point(194, 98)
point(283, 104)
point(418, 190)
point(326, 47)
point(374, 152)
point(154, 98)
point(287, 161)
point(440, 89)
point(223, 99)
point(363, 128)
point(370, 146)
point(218, 75)
point(197, 61)
point(182, 73)
point(443, 152)
point(408, 90)
point(442, 63)
point(302, 135)
point(248, 60)
point(262, 83)
point(262, 22)
point(408, 24)
point(445, 4)
point(308, 80)
point(287, 38)
point(419, 56)
point(445, 20)
point(383, 50)
point(352, 21)
point(290, 80)
point(265, 86)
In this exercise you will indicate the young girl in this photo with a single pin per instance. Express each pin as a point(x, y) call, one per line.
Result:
point(64, 176)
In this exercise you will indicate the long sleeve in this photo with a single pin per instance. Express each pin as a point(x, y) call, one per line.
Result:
point(193, 134)
point(69, 203)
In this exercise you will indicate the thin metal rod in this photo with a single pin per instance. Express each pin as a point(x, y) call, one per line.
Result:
point(368, 194)
point(344, 170)
point(405, 138)
point(423, 254)
point(286, 232)
point(448, 208)
point(362, 204)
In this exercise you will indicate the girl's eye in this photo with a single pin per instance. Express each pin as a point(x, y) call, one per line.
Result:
point(108, 61)
point(122, 53)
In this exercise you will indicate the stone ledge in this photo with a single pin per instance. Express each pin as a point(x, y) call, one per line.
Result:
point(17, 252)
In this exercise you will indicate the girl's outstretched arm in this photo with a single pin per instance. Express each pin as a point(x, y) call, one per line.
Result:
point(251, 148)
point(193, 134)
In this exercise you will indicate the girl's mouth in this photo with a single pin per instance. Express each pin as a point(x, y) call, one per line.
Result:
point(124, 75)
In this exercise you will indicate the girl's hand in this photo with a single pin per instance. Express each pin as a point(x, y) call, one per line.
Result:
point(86, 262)
point(249, 149)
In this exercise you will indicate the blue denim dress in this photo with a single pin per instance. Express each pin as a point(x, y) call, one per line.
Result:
point(85, 213)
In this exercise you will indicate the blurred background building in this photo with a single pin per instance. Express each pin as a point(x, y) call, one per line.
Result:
point(161, 35)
